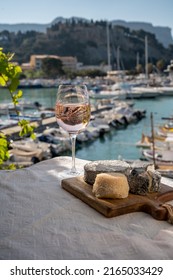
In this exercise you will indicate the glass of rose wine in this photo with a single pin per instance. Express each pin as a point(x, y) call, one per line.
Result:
point(72, 111)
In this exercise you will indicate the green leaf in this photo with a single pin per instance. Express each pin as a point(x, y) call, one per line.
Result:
point(13, 85)
point(19, 94)
point(18, 71)
point(26, 129)
point(9, 77)
point(2, 81)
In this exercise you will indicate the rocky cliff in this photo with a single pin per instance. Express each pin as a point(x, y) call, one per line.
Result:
point(163, 34)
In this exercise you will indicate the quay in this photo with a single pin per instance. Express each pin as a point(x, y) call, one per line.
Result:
point(51, 141)
point(13, 131)
point(106, 113)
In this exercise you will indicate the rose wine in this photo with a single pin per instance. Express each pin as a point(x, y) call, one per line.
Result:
point(72, 117)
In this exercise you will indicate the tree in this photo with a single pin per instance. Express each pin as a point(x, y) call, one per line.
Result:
point(160, 65)
point(139, 68)
point(9, 78)
point(150, 68)
point(52, 67)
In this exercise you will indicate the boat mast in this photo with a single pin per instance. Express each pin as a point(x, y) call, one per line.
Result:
point(153, 140)
point(137, 59)
point(118, 58)
point(108, 47)
point(146, 58)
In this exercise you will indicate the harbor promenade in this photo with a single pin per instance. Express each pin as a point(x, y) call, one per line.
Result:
point(13, 131)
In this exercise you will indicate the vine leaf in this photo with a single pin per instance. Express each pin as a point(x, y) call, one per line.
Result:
point(9, 78)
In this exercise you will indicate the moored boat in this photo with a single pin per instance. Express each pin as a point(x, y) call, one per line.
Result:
point(145, 92)
point(159, 155)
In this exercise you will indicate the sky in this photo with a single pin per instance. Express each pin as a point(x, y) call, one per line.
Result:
point(157, 12)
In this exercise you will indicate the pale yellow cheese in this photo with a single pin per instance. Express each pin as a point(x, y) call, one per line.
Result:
point(111, 185)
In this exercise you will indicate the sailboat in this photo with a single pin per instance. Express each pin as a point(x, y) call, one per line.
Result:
point(117, 91)
point(162, 157)
point(146, 91)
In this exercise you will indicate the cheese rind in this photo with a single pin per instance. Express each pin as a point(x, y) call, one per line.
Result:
point(145, 182)
point(92, 169)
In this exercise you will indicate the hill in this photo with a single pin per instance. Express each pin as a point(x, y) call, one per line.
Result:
point(163, 34)
point(87, 40)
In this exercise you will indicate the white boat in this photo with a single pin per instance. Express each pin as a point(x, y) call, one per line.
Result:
point(119, 91)
point(25, 117)
point(146, 92)
point(8, 107)
point(36, 116)
point(27, 152)
point(160, 155)
point(5, 123)
point(167, 90)
point(108, 94)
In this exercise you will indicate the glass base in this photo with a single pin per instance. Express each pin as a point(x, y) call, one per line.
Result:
point(73, 172)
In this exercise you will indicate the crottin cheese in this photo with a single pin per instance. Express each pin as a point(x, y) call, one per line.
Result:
point(144, 182)
point(93, 168)
point(111, 185)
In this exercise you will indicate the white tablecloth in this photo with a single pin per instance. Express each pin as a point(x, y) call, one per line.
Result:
point(40, 220)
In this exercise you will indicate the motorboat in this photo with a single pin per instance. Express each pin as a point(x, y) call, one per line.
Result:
point(145, 92)
point(159, 155)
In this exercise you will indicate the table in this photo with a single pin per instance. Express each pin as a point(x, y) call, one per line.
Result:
point(41, 221)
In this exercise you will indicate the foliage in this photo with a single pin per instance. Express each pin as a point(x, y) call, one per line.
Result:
point(87, 41)
point(4, 154)
point(32, 74)
point(9, 78)
point(149, 68)
point(91, 73)
point(26, 128)
point(160, 64)
point(52, 67)
point(139, 68)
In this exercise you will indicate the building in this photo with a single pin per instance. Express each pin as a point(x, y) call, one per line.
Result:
point(101, 67)
point(68, 62)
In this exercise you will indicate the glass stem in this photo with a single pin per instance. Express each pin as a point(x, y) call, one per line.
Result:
point(73, 145)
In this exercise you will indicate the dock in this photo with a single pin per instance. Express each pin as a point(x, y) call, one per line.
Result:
point(13, 131)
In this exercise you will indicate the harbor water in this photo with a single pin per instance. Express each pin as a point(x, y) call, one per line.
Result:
point(118, 143)
point(122, 143)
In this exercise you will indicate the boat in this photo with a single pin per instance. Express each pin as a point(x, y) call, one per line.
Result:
point(5, 123)
point(28, 117)
point(159, 155)
point(145, 142)
point(35, 116)
point(109, 93)
point(165, 169)
point(145, 92)
point(26, 152)
point(30, 83)
point(9, 108)
point(163, 161)
point(166, 128)
point(167, 90)
point(161, 141)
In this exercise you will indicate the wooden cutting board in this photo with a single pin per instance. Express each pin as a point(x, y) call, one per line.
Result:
point(151, 203)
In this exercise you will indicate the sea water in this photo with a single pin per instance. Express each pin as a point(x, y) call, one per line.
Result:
point(121, 144)
point(118, 143)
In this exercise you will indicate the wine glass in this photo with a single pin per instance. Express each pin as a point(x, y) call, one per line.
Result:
point(72, 111)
